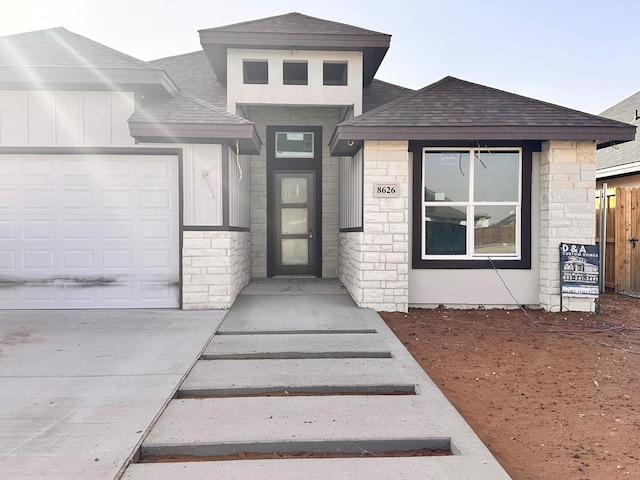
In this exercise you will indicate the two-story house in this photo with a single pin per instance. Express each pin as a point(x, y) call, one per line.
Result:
point(272, 152)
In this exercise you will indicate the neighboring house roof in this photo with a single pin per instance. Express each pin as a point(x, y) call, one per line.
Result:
point(453, 109)
point(621, 159)
point(57, 56)
point(186, 119)
point(294, 30)
point(194, 75)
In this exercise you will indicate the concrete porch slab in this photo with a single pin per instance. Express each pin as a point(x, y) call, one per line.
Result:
point(277, 313)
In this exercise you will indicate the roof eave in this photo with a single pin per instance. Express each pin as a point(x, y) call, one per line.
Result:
point(171, 132)
point(43, 77)
point(632, 168)
point(346, 137)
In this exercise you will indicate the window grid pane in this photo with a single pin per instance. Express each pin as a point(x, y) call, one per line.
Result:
point(492, 225)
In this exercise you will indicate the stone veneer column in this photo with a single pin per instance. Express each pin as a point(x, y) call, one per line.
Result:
point(375, 263)
point(567, 212)
point(216, 266)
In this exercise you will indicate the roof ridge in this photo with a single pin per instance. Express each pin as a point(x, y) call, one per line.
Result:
point(234, 26)
point(103, 47)
point(175, 56)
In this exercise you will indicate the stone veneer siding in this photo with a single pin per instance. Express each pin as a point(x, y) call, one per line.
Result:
point(374, 264)
point(327, 118)
point(216, 266)
point(567, 213)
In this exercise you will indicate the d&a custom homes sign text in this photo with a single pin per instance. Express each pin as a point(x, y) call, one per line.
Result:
point(579, 270)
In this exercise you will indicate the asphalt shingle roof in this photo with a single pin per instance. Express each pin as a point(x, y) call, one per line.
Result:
point(454, 110)
point(194, 75)
point(629, 152)
point(378, 93)
point(453, 102)
point(296, 23)
point(184, 108)
point(58, 58)
point(58, 47)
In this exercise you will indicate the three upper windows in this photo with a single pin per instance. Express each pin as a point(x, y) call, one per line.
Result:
point(256, 72)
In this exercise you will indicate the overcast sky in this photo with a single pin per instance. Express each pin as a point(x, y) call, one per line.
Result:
point(581, 54)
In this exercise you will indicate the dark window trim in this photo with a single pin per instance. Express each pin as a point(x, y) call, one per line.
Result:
point(524, 263)
point(253, 80)
point(295, 81)
point(335, 81)
point(205, 228)
point(293, 164)
point(351, 230)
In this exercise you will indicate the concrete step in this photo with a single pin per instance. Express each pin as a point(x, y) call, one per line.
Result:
point(321, 375)
point(298, 313)
point(298, 346)
point(415, 468)
point(222, 426)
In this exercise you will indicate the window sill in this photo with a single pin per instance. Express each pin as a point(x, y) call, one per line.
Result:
point(467, 264)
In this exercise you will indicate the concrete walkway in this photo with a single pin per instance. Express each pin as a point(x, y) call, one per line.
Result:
point(78, 389)
point(288, 337)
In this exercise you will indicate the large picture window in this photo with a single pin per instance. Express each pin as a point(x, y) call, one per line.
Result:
point(471, 204)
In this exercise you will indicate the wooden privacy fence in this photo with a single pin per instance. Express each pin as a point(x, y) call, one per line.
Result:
point(622, 253)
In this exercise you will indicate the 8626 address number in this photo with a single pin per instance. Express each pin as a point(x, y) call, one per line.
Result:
point(385, 190)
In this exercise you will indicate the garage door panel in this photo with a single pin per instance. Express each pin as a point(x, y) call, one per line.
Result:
point(73, 259)
point(7, 260)
point(73, 199)
point(39, 260)
point(7, 230)
point(7, 199)
point(89, 231)
point(81, 229)
point(38, 230)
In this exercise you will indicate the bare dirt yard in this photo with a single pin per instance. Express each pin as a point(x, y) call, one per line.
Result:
point(553, 396)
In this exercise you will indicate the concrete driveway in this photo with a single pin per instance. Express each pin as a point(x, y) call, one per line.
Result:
point(78, 389)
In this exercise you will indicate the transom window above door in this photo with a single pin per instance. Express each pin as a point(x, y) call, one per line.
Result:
point(471, 203)
point(294, 145)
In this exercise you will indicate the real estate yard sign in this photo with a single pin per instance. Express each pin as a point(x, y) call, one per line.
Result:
point(579, 270)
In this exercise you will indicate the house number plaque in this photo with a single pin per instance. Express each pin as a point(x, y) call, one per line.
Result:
point(386, 190)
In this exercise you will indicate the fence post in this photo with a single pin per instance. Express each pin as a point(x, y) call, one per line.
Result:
point(604, 205)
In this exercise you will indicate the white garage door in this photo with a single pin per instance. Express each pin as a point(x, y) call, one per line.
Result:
point(89, 231)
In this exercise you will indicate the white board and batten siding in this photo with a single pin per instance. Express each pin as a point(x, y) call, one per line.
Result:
point(202, 180)
point(351, 171)
point(42, 118)
point(239, 191)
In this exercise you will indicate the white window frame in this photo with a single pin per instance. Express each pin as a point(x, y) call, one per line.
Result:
point(471, 205)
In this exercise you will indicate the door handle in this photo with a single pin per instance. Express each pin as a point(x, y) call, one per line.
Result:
point(310, 234)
